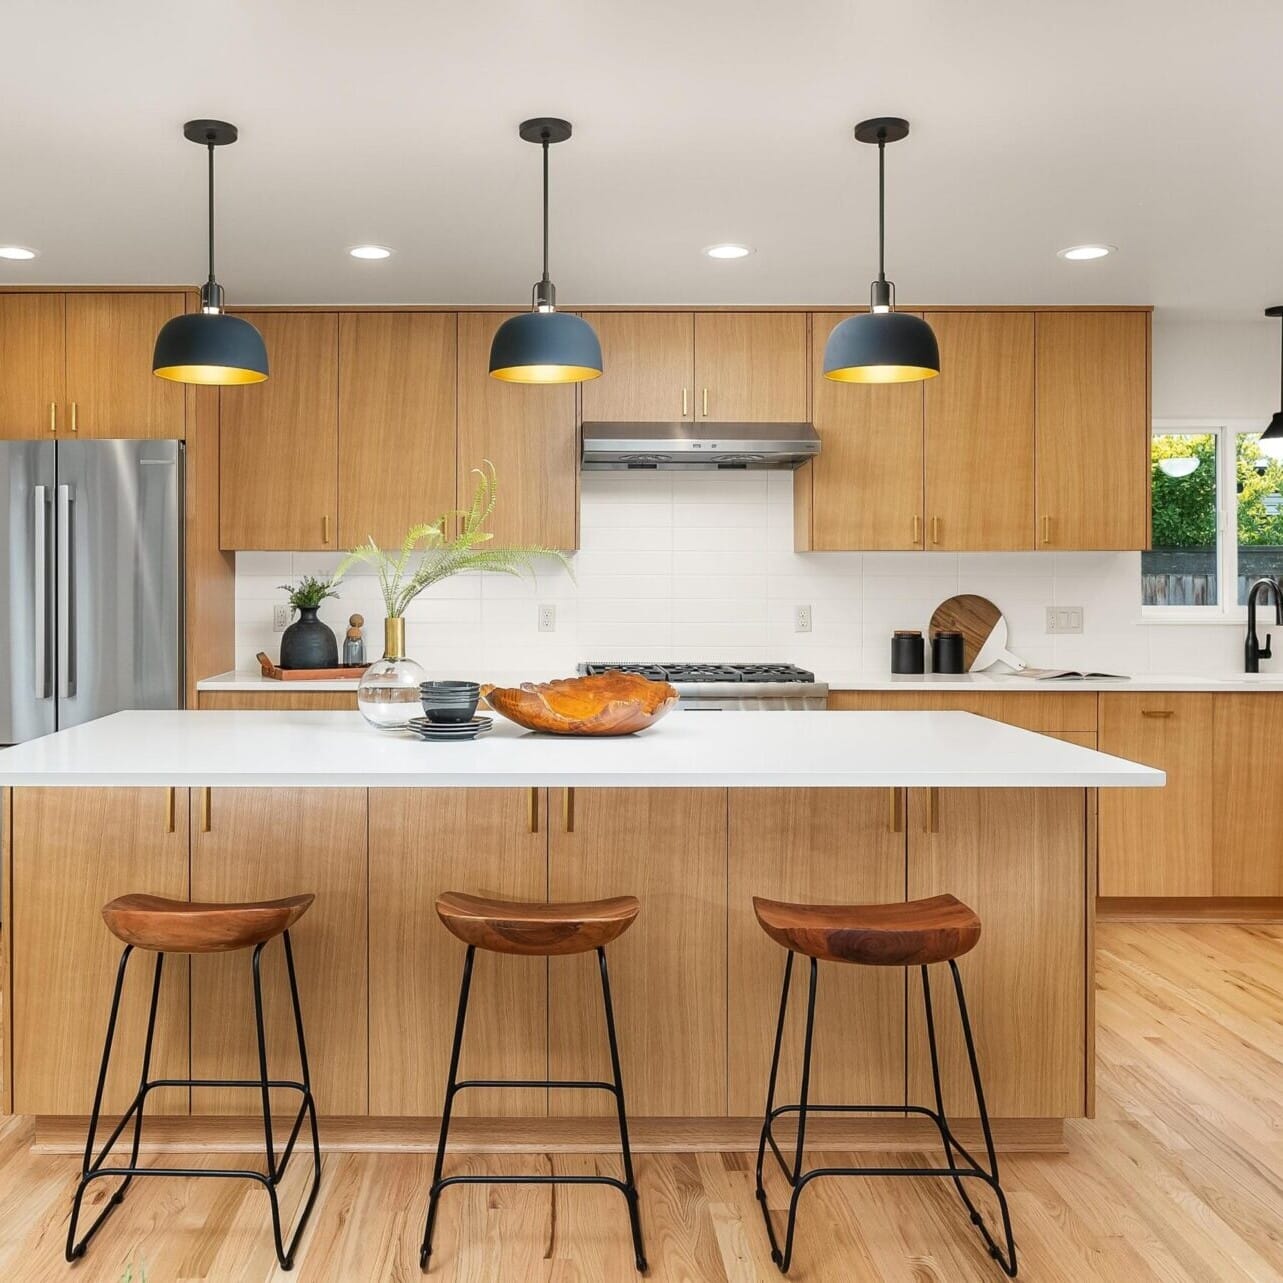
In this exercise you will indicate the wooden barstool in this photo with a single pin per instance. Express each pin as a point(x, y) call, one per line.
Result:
point(542, 931)
point(914, 933)
point(176, 926)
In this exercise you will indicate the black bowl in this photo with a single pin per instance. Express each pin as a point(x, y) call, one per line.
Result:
point(448, 702)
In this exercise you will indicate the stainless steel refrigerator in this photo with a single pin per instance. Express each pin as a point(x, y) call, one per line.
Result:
point(90, 581)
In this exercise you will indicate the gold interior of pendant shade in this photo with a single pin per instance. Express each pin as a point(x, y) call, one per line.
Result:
point(882, 374)
point(546, 373)
point(215, 375)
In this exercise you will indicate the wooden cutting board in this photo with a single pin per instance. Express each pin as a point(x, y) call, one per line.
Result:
point(974, 617)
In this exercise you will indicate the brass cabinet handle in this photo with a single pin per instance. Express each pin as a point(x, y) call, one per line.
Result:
point(325, 528)
point(568, 809)
point(895, 817)
point(74, 409)
point(534, 810)
point(706, 403)
point(1046, 530)
point(917, 530)
point(53, 416)
point(169, 810)
point(204, 810)
point(935, 529)
point(931, 821)
point(685, 411)
point(1157, 712)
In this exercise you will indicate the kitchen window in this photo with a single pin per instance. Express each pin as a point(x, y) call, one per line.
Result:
point(1217, 519)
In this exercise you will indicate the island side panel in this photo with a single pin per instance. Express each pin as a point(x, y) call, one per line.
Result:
point(1018, 858)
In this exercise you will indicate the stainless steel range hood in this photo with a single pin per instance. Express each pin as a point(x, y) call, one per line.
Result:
point(669, 446)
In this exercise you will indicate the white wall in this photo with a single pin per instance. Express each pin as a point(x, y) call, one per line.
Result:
point(700, 566)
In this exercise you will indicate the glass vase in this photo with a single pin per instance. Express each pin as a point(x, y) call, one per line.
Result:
point(388, 695)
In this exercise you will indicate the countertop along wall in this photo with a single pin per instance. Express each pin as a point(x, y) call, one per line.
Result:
point(701, 566)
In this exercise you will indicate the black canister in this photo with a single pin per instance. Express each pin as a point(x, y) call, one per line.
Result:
point(907, 652)
point(946, 653)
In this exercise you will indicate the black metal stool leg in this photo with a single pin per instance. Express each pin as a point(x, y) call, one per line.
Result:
point(770, 1087)
point(630, 1184)
point(434, 1195)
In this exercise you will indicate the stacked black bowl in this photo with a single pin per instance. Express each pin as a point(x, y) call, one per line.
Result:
point(447, 703)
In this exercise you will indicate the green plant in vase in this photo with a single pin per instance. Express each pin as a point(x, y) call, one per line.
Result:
point(388, 695)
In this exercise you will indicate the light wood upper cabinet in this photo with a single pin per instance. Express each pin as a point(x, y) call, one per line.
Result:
point(262, 844)
point(1092, 437)
point(529, 433)
point(395, 423)
point(278, 467)
point(867, 480)
point(667, 972)
point(647, 368)
point(73, 850)
point(111, 390)
point(32, 357)
point(980, 433)
point(750, 367)
point(1160, 842)
point(490, 842)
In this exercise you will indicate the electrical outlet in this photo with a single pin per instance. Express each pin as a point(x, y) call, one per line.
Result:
point(801, 619)
point(280, 618)
point(1064, 619)
point(547, 619)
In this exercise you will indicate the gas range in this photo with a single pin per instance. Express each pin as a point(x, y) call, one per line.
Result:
point(717, 687)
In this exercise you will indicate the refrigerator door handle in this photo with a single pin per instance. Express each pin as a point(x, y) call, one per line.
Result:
point(66, 597)
point(40, 589)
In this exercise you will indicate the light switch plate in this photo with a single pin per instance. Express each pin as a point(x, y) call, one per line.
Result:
point(280, 618)
point(1064, 619)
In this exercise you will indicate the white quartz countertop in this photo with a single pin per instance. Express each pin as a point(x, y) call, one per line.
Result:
point(964, 682)
point(685, 749)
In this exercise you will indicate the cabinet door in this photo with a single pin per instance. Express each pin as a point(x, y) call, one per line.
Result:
point(528, 432)
point(750, 367)
point(73, 850)
point(1247, 807)
point(667, 972)
point(31, 356)
point(980, 432)
point(278, 461)
point(814, 846)
point(1018, 858)
point(488, 842)
point(111, 391)
point(647, 373)
point(1092, 441)
point(867, 479)
point(262, 844)
point(1159, 842)
point(396, 423)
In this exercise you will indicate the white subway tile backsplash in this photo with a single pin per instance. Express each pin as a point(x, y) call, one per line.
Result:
point(701, 566)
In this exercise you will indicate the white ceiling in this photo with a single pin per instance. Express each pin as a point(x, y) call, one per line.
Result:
point(1150, 124)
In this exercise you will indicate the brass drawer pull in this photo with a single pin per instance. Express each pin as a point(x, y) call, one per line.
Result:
point(568, 810)
point(534, 810)
point(931, 820)
point(169, 810)
point(706, 403)
point(74, 416)
point(895, 818)
point(917, 531)
point(205, 810)
point(1046, 530)
point(935, 529)
point(1157, 712)
point(685, 404)
point(53, 416)
point(325, 529)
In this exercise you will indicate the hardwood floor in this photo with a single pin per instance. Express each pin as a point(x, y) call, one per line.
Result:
point(1179, 1179)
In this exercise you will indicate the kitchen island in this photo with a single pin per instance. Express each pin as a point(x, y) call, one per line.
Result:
point(695, 816)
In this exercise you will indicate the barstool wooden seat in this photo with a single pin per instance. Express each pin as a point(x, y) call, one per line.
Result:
point(914, 933)
point(548, 931)
point(162, 926)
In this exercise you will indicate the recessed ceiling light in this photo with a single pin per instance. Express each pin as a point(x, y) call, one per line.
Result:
point(370, 251)
point(1080, 253)
point(728, 251)
point(16, 252)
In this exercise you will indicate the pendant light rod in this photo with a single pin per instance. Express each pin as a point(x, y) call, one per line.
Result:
point(211, 212)
point(882, 206)
point(546, 140)
point(1274, 432)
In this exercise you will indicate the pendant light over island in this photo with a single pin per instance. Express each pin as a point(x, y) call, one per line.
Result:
point(210, 347)
point(544, 345)
point(1275, 431)
point(882, 345)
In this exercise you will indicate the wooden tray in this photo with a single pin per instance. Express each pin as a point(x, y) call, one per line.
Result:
point(307, 674)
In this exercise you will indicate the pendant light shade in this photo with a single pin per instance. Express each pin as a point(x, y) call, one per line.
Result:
point(544, 345)
point(1275, 431)
point(882, 345)
point(209, 347)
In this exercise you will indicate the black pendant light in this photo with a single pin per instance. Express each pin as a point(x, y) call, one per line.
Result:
point(882, 345)
point(209, 346)
point(1275, 431)
point(544, 345)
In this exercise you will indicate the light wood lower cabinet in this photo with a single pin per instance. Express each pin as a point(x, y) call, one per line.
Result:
point(1017, 857)
point(491, 842)
point(667, 972)
point(260, 844)
point(291, 700)
point(1246, 804)
point(818, 846)
point(1056, 713)
point(73, 850)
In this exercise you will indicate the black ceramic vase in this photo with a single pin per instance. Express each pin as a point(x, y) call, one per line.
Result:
point(308, 643)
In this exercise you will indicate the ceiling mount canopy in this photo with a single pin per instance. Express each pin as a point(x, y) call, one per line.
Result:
point(210, 347)
point(882, 345)
point(544, 345)
point(1275, 431)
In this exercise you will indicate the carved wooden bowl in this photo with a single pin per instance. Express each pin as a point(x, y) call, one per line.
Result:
point(604, 704)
